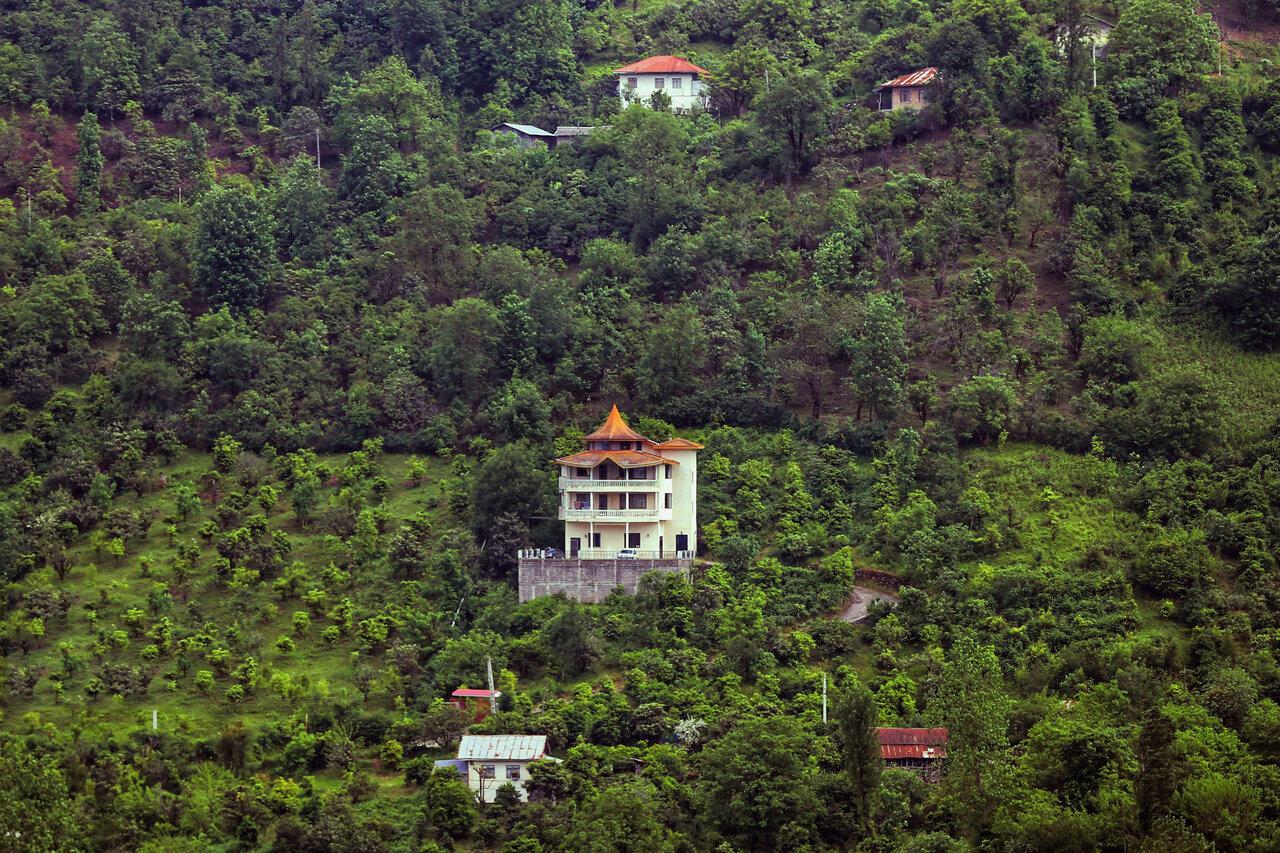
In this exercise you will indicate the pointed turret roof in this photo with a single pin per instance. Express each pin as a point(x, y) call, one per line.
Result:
point(615, 428)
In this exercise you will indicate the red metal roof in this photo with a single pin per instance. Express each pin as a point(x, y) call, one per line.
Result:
point(912, 743)
point(661, 65)
point(473, 693)
point(923, 77)
point(615, 428)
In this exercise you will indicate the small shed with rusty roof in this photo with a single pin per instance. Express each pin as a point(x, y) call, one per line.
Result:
point(922, 751)
point(910, 91)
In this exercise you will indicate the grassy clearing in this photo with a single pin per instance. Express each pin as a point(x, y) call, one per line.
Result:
point(100, 584)
point(1054, 531)
point(1249, 381)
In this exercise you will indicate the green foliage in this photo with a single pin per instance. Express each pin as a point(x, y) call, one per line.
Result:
point(233, 247)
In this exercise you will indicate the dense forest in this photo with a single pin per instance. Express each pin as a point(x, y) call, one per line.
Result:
point(289, 338)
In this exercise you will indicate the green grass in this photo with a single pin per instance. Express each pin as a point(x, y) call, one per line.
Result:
point(1054, 532)
point(95, 578)
point(1249, 381)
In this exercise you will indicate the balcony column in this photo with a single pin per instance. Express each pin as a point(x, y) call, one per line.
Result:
point(591, 534)
point(626, 534)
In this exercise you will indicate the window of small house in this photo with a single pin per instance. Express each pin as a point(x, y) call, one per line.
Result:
point(907, 96)
point(659, 82)
point(487, 771)
point(632, 82)
point(513, 771)
point(677, 82)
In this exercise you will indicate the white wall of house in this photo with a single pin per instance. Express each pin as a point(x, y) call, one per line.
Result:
point(670, 512)
point(685, 90)
point(512, 772)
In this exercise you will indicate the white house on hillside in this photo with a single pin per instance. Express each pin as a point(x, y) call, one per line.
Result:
point(625, 491)
point(490, 761)
point(679, 78)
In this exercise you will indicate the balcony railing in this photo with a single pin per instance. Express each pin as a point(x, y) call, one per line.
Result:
point(650, 514)
point(586, 484)
point(599, 554)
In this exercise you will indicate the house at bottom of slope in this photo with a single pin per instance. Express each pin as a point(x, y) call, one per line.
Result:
point(487, 762)
point(922, 751)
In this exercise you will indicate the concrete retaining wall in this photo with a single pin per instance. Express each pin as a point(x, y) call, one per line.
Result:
point(588, 580)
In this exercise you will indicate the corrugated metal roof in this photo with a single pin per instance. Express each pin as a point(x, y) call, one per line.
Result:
point(912, 743)
point(527, 129)
point(661, 65)
point(912, 751)
point(923, 77)
point(473, 693)
point(502, 747)
point(572, 130)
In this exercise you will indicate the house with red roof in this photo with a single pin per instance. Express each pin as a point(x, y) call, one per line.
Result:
point(922, 751)
point(910, 91)
point(682, 81)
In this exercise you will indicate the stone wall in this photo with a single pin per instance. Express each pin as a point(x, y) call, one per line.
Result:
point(588, 580)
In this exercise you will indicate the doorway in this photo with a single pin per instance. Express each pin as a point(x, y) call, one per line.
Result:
point(575, 545)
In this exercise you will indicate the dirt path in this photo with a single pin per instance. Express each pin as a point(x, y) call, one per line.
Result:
point(856, 608)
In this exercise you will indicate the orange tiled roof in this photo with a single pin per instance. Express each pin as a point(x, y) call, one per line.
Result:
point(678, 444)
point(661, 65)
point(615, 428)
point(621, 458)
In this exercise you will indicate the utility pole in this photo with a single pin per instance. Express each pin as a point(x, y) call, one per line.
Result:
point(1093, 49)
point(493, 699)
point(317, 148)
point(824, 698)
point(155, 720)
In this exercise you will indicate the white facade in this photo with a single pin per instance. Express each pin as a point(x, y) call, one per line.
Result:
point(496, 760)
point(625, 491)
point(685, 90)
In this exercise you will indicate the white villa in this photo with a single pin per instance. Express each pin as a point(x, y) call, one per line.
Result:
point(678, 77)
point(490, 761)
point(628, 491)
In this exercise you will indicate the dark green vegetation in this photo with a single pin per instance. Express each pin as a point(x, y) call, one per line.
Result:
point(272, 432)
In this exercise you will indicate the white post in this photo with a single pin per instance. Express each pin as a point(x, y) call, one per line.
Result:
point(155, 720)
point(824, 698)
point(493, 700)
point(317, 148)
point(1093, 50)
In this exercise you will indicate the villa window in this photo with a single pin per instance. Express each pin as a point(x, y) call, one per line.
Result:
point(677, 83)
point(666, 471)
point(638, 501)
point(513, 771)
point(595, 540)
point(632, 82)
point(583, 473)
point(659, 82)
point(667, 500)
point(488, 771)
point(633, 540)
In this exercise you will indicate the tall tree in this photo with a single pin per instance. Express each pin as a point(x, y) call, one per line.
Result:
point(975, 709)
point(233, 249)
point(89, 164)
point(108, 67)
point(854, 732)
point(796, 110)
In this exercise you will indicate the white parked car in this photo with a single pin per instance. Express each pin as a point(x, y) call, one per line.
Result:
point(628, 554)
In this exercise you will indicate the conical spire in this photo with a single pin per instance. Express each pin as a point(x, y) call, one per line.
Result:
point(615, 428)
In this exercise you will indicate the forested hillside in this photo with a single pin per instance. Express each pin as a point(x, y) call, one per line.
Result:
point(289, 337)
